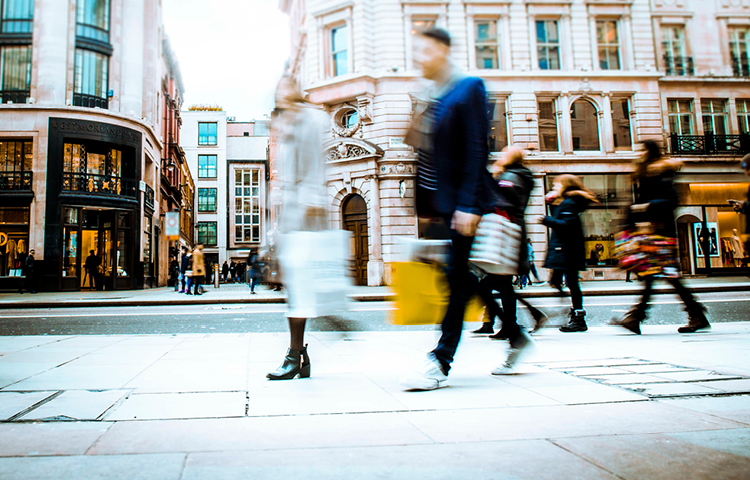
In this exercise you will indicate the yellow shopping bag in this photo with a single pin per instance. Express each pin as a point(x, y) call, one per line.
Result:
point(422, 295)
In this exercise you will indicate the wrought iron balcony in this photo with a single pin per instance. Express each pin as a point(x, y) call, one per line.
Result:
point(710, 144)
point(678, 66)
point(741, 66)
point(99, 184)
point(148, 197)
point(90, 101)
point(15, 181)
point(14, 96)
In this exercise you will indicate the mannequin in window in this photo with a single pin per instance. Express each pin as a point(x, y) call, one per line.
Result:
point(738, 252)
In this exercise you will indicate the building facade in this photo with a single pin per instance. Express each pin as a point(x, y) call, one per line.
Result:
point(80, 142)
point(577, 83)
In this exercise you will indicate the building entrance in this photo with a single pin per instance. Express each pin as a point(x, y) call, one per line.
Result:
point(355, 220)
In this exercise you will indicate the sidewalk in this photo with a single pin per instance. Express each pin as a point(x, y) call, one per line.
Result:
point(240, 293)
point(599, 405)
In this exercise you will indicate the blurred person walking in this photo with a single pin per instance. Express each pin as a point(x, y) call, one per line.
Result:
point(303, 190)
point(232, 271)
point(91, 266)
point(566, 252)
point(199, 269)
point(224, 272)
point(255, 270)
point(655, 202)
point(29, 283)
point(174, 273)
point(184, 266)
point(456, 130)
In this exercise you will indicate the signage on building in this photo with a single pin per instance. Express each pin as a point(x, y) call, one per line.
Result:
point(172, 226)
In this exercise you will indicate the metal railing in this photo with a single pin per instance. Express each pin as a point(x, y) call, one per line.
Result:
point(709, 144)
point(99, 184)
point(14, 96)
point(740, 66)
point(678, 66)
point(91, 101)
point(148, 197)
point(16, 181)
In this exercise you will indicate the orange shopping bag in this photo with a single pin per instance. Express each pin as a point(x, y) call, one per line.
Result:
point(422, 295)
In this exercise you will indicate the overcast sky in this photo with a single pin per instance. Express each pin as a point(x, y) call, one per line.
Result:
point(231, 52)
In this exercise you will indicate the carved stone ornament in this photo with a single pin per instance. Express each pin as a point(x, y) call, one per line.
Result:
point(398, 169)
point(343, 151)
point(342, 148)
point(337, 121)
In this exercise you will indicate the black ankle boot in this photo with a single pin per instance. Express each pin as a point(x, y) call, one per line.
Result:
point(486, 328)
point(577, 322)
point(294, 362)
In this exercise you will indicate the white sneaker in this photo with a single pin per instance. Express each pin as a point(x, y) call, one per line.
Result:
point(429, 377)
point(524, 343)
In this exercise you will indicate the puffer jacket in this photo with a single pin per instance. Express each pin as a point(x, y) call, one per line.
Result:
point(566, 249)
point(656, 188)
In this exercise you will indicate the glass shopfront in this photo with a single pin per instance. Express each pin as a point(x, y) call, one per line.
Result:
point(14, 240)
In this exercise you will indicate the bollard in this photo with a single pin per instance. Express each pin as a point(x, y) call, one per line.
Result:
point(216, 276)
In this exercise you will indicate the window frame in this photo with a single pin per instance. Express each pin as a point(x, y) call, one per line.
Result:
point(205, 197)
point(25, 24)
point(254, 200)
point(608, 46)
point(740, 64)
point(491, 43)
point(92, 31)
point(713, 115)
point(547, 45)
point(679, 115)
point(333, 52)
point(207, 141)
point(206, 233)
point(208, 167)
point(492, 102)
point(79, 73)
point(555, 118)
point(743, 115)
point(15, 94)
point(629, 102)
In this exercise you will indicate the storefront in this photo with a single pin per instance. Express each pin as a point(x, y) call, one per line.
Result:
point(94, 215)
point(16, 197)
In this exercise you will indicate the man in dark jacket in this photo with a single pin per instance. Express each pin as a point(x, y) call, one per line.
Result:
point(184, 265)
point(28, 270)
point(458, 134)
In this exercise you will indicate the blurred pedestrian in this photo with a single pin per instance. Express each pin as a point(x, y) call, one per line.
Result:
point(457, 131)
point(91, 267)
point(232, 270)
point(655, 202)
point(174, 273)
point(532, 265)
point(255, 270)
point(224, 271)
point(199, 269)
point(184, 265)
point(300, 130)
point(566, 252)
point(29, 283)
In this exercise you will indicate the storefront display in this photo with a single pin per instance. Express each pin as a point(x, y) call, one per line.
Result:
point(14, 240)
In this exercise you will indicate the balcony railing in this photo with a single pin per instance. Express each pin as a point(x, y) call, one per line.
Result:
point(148, 197)
point(710, 144)
point(14, 96)
point(15, 181)
point(678, 66)
point(741, 66)
point(99, 184)
point(91, 101)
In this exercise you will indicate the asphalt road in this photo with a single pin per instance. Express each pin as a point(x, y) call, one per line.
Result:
point(665, 310)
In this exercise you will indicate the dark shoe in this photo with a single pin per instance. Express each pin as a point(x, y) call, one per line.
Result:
point(697, 320)
point(540, 319)
point(20, 291)
point(290, 368)
point(305, 367)
point(577, 322)
point(506, 332)
point(631, 321)
point(485, 329)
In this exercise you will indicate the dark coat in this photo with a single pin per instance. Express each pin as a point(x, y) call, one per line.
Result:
point(566, 249)
point(28, 266)
point(656, 188)
point(460, 148)
point(184, 263)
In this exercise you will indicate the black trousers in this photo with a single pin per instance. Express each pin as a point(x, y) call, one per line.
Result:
point(571, 280)
point(648, 283)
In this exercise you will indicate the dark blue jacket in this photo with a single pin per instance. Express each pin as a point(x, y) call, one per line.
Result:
point(566, 249)
point(656, 188)
point(460, 152)
point(184, 263)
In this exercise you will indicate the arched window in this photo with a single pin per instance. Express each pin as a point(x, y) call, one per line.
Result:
point(584, 121)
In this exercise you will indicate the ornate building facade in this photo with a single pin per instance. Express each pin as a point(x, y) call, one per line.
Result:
point(577, 83)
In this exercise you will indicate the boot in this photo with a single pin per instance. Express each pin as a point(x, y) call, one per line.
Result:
point(292, 366)
point(305, 367)
point(632, 320)
point(577, 322)
point(540, 318)
point(696, 320)
point(486, 328)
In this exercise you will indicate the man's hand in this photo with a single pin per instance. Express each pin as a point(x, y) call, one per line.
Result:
point(537, 219)
point(465, 223)
point(736, 205)
point(639, 207)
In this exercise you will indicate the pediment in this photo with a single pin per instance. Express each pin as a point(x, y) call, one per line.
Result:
point(343, 148)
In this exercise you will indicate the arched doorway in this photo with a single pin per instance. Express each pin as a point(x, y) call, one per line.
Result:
point(354, 210)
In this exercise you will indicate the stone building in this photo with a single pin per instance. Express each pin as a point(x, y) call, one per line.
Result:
point(81, 142)
point(577, 83)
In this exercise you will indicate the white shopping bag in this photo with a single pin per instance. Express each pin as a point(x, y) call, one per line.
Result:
point(497, 244)
point(315, 271)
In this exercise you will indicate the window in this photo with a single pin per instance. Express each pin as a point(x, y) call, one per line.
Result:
point(247, 205)
point(743, 116)
point(92, 18)
point(548, 44)
point(680, 116)
point(206, 166)
point(18, 16)
point(498, 125)
point(608, 44)
point(714, 117)
point(485, 39)
point(91, 79)
point(349, 119)
point(418, 25)
point(584, 123)
point(16, 159)
point(621, 125)
point(739, 52)
point(206, 199)
point(147, 246)
point(85, 159)
point(548, 126)
point(339, 50)
point(15, 73)
point(207, 133)
point(207, 233)
point(676, 61)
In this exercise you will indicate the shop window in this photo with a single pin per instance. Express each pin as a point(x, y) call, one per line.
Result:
point(14, 240)
point(621, 133)
point(124, 248)
point(94, 168)
point(601, 221)
point(207, 133)
point(584, 122)
point(206, 166)
point(547, 126)
point(680, 116)
point(247, 213)
point(147, 259)
point(498, 125)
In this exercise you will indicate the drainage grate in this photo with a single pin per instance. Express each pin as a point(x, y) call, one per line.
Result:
point(654, 379)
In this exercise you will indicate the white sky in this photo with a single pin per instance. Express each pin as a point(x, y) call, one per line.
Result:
point(231, 52)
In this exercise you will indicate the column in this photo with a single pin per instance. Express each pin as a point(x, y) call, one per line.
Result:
point(131, 73)
point(607, 128)
point(375, 268)
point(563, 122)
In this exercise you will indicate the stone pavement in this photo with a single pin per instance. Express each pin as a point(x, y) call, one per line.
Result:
point(603, 404)
point(240, 293)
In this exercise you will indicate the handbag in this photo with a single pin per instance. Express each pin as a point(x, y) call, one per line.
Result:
point(645, 253)
point(497, 245)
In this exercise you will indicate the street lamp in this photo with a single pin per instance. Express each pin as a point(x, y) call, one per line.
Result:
point(171, 166)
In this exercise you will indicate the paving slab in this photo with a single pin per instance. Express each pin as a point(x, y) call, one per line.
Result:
point(13, 403)
point(736, 442)
point(735, 408)
point(180, 405)
point(76, 405)
point(58, 438)
point(672, 389)
point(191, 375)
point(92, 467)
point(729, 386)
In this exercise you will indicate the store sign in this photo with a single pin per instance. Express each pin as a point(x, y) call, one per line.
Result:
point(172, 226)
